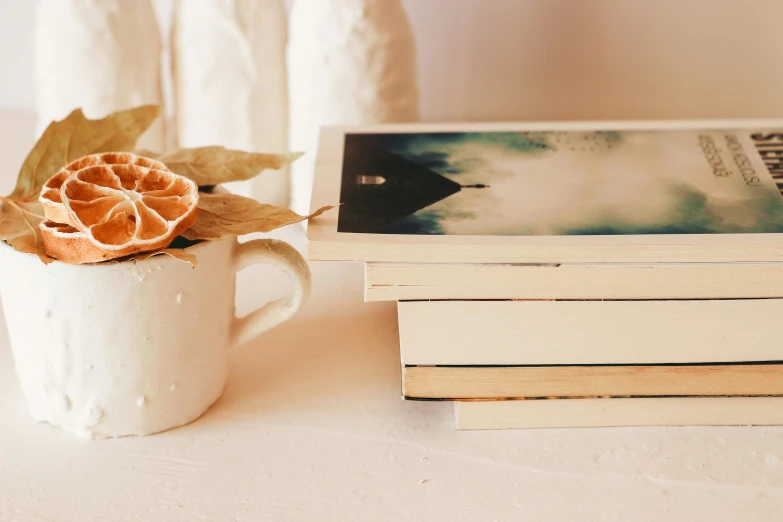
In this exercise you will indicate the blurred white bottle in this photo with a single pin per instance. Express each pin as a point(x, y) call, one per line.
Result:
point(349, 62)
point(100, 55)
point(228, 68)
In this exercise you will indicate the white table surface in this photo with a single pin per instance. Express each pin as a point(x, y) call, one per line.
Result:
point(311, 427)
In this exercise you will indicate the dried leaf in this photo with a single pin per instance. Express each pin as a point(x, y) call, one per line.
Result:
point(228, 214)
point(62, 142)
point(12, 223)
point(19, 227)
point(214, 165)
point(31, 243)
point(76, 136)
point(19, 218)
point(177, 253)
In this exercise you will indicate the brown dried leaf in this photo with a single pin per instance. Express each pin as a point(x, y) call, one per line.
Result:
point(177, 253)
point(214, 165)
point(228, 214)
point(62, 142)
point(31, 243)
point(76, 136)
point(18, 218)
point(19, 226)
point(12, 223)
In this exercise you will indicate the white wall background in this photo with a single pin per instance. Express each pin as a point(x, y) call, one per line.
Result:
point(554, 59)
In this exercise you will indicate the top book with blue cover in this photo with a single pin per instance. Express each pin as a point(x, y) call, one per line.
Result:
point(564, 192)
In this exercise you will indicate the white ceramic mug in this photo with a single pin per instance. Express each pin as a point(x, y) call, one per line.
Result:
point(134, 348)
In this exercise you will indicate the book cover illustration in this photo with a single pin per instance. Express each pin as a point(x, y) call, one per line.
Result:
point(563, 183)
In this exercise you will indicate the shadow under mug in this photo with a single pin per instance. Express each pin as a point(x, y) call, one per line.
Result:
point(136, 347)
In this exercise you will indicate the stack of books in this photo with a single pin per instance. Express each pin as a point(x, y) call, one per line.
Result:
point(570, 274)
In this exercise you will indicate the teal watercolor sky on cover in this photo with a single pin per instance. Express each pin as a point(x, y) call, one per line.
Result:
point(587, 183)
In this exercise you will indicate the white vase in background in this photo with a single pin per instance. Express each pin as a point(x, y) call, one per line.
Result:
point(229, 79)
point(349, 62)
point(100, 55)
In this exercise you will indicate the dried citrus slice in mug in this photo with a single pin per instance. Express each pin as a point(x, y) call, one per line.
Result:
point(54, 210)
point(124, 208)
point(64, 243)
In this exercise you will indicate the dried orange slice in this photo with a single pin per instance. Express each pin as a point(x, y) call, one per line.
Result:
point(64, 243)
point(50, 193)
point(128, 207)
point(50, 198)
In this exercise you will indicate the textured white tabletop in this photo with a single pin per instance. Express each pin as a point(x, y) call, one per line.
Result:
point(311, 427)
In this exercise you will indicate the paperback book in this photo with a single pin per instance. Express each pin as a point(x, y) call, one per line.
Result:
point(549, 333)
point(572, 281)
point(599, 413)
point(608, 192)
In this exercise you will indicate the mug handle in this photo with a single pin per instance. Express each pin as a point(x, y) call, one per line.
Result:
point(290, 261)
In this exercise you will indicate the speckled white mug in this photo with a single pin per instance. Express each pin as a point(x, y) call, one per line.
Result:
point(134, 348)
